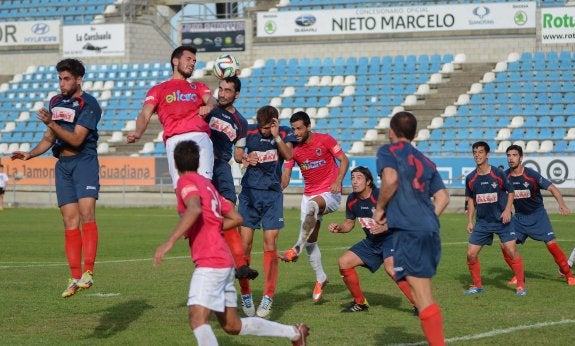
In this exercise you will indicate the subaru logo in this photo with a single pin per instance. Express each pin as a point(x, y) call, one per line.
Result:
point(40, 28)
point(481, 11)
point(305, 20)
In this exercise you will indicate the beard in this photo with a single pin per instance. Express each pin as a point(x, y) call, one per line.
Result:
point(184, 73)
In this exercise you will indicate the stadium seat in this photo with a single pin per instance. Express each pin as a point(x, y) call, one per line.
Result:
point(546, 146)
point(532, 146)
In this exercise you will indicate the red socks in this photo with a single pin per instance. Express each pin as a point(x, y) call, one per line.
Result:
point(271, 272)
point(234, 241)
point(404, 287)
point(73, 248)
point(560, 258)
point(432, 325)
point(517, 266)
point(506, 257)
point(90, 244)
point(351, 280)
point(475, 271)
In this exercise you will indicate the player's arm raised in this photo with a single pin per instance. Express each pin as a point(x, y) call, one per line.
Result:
point(189, 217)
point(285, 149)
point(210, 103)
point(141, 123)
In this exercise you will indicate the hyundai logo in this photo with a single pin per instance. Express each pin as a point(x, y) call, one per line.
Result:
point(305, 20)
point(40, 28)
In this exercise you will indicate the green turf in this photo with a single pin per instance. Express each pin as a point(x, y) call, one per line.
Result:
point(133, 303)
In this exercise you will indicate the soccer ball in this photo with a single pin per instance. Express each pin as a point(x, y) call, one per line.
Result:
point(226, 66)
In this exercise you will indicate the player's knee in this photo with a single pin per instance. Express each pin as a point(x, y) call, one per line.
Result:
point(232, 327)
point(312, 208)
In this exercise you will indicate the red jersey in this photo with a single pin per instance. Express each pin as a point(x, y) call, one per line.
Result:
point(178, 103)
point(316, 161)
point(207, 245)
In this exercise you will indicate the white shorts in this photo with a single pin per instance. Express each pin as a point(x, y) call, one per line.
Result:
point(213, 288)
point(332, 202)
point(206, 167)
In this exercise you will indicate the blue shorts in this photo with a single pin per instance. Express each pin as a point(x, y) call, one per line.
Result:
point(77, 177)
point(535, 226)
point(417, 253)
point(373, 253)
point(483, 233)
point(223, 180)
point(261, 207)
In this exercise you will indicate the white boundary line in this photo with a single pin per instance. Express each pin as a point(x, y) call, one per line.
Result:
point(496, 332)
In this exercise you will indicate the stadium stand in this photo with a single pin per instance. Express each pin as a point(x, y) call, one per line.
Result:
point(69, 11)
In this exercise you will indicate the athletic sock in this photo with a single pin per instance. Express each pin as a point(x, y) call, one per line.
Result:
point(406, 289)
point(260, 327)
point(475, 271)
point(234, 241)
point(205, 335)
point(560, 258)
point(518, 271)
point(314, 258)
point(90, 244)
point(506, 257)
point(73, 248)
point(432, 325)
point(351, 280)
point(271, 272)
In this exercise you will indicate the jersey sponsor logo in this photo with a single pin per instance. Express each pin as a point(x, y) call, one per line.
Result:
point(90, 187)
point(522, 194)
point(367, 222)
point(304, 166)
point(179, 96)
point(483, 198)
point(267, 156)
point(318, 151)
point(223, 127)
point(149, 98)
point(64, 114)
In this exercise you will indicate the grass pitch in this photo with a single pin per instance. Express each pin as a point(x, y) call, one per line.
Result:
point(132, 303)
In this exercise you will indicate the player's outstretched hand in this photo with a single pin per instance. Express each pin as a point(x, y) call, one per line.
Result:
point(161, 252)
point(133, 137)
point(334, 227)
point(20, 155)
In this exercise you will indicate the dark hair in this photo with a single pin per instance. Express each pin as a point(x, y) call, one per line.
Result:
point(515, 147)
point(404, 125)
point(235, 81)
point(481, 144)
point(303, 116)
point(366, 173)
point(266, 114)
point(187, 156)
point(178, 52)
point(74, 66)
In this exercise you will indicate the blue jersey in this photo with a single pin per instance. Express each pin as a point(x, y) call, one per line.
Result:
point(227, 128)
point(69, 112)
point(411, 207)
point(266, 175)
point(489, 193)
point(528, 190)
point(363, 209)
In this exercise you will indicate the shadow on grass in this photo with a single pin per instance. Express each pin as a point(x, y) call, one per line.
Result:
point(393, 335)
point(118, 317)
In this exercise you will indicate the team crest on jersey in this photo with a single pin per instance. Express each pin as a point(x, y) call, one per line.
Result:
point(526, 184)
point(318, 151)
point(494, 185)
